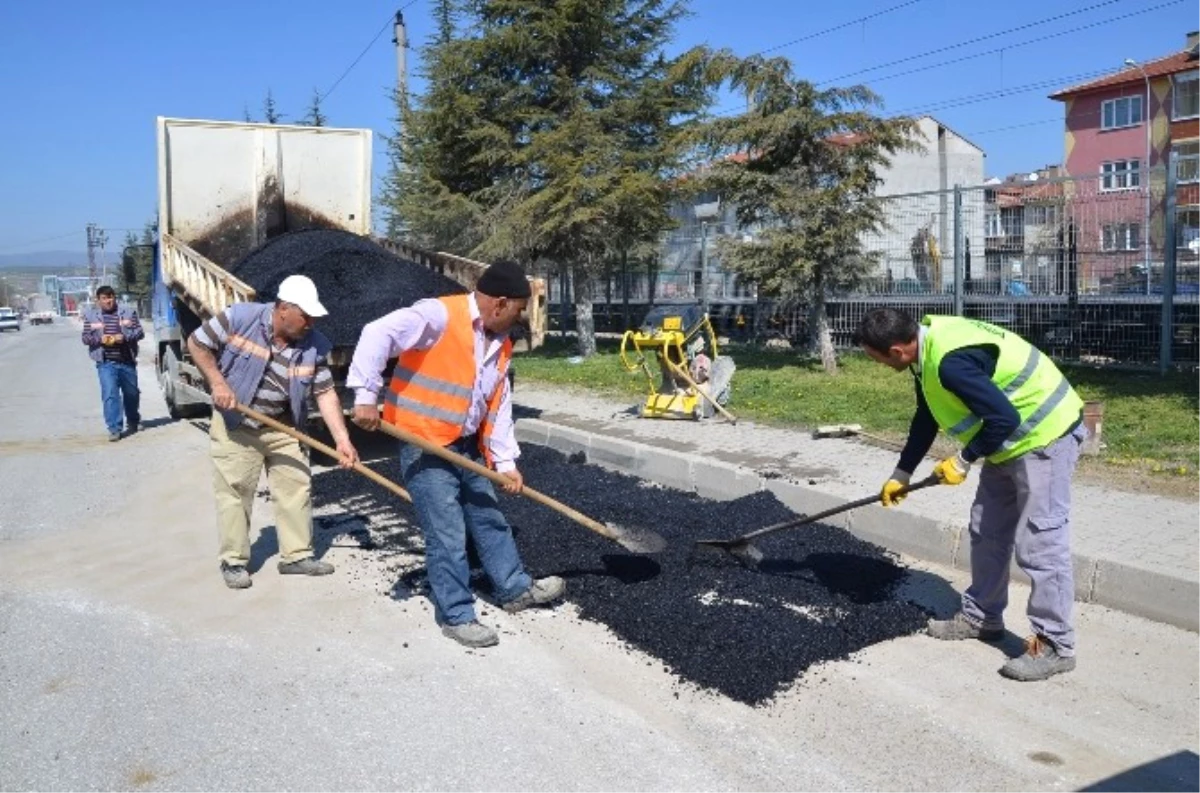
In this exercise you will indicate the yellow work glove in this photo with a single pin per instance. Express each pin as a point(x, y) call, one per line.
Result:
point(890, 495)
point(953, 470)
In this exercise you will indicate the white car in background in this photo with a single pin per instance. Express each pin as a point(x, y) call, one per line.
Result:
point(9, 319)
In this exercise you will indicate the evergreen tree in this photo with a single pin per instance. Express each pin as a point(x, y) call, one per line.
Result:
point(271, 113)
point(579, 130)
point(803, 185)
point(314, 117)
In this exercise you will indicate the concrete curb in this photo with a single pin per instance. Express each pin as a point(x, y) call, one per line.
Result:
point(1107, 582)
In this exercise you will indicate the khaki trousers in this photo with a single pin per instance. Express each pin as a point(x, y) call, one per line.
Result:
point(238, 457)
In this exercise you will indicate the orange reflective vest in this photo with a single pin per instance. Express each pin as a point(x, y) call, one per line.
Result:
point(430, 392)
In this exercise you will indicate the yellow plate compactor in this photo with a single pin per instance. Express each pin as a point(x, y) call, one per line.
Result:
point(681, 338)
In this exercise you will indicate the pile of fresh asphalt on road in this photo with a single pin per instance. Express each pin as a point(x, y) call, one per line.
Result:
point(357, 280)
point(820, 594)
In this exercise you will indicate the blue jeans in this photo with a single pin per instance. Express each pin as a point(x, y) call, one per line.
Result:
point(450, 502)
point(119, 384)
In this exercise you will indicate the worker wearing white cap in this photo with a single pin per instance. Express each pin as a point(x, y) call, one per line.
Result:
point(269, 357)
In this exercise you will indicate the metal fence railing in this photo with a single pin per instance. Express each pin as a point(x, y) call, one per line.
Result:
point(1098, 269)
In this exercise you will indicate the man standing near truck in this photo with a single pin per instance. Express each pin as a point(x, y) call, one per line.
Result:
point(268, 357)
point(1008, 404)
point(111, 333)
point(450, 387)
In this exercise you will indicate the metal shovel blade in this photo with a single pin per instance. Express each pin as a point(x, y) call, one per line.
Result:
point(640, 541)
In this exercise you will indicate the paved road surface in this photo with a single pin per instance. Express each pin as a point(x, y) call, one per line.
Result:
point(127, 664)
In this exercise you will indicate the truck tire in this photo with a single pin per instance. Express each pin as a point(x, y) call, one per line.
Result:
point(168, 376)
point(168, 370)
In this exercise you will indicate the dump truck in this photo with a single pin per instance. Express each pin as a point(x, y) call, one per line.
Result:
point(40, 311)
point(224, 189)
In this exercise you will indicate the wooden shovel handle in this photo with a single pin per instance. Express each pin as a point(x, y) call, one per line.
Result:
point(498, 478)
point(378, 479)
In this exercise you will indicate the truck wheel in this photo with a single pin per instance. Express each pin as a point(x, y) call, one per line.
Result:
point(168, 369)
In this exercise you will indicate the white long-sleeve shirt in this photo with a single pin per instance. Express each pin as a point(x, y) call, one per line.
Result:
point(419, 327)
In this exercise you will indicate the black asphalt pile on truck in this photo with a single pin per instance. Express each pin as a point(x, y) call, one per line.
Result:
point(820, 594)
point(357, 280)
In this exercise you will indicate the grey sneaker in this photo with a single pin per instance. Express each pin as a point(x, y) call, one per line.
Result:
point(540, 592)
point(1040, 661)
point(309, 566)
point(236, 576)
point(113, 437)
point(959, 627)
point(472, 634)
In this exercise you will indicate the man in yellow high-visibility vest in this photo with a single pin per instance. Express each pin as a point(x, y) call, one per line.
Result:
point(1009, 405)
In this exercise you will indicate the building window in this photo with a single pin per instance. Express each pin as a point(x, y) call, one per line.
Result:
point(1041, 215)
point(1120, 175)
point(1121, 237)
point(1187, 161)
point(1118, 113)
point(1186, 101)
point(1187, 229)
point(992, 222)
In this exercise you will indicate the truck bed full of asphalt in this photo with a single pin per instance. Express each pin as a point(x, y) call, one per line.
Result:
point(357, 280)
point(820, 594)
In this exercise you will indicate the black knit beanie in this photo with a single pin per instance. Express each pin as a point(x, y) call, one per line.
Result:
point(504, 279)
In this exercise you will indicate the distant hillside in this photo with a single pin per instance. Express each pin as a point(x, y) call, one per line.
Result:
point(51, 260)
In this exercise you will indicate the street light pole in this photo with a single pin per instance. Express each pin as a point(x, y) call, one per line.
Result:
point(1145, 173)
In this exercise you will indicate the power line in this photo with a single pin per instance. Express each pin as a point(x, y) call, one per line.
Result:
point(835, 28)
point(998, 49)
point(975, 40)
point(366, 49)
point(976, 133)
point(1001, 93)
point(983, 96)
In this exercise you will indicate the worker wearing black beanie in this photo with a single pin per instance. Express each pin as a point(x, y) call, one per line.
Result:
point(504, 279)
point(450, 388)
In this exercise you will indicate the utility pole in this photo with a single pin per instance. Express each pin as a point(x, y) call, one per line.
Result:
point(400, 39)
point(96, 239)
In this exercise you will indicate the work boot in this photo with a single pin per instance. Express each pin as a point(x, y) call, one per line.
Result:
point(1040, 661)
point(472, 634)
point(236, 576)
point(309, 566)
point(959, 627)
point(540, 592)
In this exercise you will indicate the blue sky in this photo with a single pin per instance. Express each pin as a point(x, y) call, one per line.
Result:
point(83, 82)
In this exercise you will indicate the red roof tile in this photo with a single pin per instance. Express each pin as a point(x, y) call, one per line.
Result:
point(1172, 64)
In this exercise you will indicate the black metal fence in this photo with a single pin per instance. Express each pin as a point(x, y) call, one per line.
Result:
point(1102, 269)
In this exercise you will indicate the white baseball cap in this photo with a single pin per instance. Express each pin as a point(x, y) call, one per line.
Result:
point(300, 291)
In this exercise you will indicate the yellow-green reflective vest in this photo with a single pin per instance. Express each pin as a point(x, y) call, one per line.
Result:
point(1045, 401)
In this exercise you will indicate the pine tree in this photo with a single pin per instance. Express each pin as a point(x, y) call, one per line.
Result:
point(803, 185)
point(313, 117)
point(581, 112)
point(271, 113)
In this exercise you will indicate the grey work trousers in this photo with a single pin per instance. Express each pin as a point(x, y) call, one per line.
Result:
point(1026, 503)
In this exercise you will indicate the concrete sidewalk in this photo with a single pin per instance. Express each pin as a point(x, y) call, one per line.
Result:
point(1133, 552)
